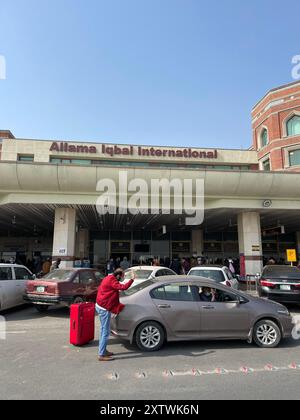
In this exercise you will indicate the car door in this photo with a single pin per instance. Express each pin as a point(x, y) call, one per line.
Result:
point(22, 275)
point(179, 309)
point(7, 288)
point(226, 317)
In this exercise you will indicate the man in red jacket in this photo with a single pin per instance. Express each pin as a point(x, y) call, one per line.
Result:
point(108, 303)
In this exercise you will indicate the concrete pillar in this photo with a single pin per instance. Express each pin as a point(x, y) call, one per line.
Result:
point(197, 242)
point(250, 243)
point(82, 244)
point(64, 236)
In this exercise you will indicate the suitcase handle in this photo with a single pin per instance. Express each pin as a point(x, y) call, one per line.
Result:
point(73, 324)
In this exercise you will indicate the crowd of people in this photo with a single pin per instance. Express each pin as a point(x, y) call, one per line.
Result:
point(180, 266)
point(37, 265)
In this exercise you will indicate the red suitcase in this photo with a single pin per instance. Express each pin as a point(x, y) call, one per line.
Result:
point(82, 323)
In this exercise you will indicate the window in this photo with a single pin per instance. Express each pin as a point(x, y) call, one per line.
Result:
point(139, 274)
point(58, 275)
point(294, 158)
point(76, 279)
point(228, 273)
point(222, 296)
point(59, 161)
point(5, 273)
point(174, 292)
point(22, 274)
point(161, 273)
point(216, 295)
point(266, 165)
point(99, 276)
point(25, 158)
point(264, 138)
point(137, 288)
point(85, 277)
point(216, 275)
point(293, 126)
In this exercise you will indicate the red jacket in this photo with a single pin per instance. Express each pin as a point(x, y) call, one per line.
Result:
point(108, 294)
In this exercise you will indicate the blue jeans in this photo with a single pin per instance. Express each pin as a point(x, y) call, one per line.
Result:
point(104, 333)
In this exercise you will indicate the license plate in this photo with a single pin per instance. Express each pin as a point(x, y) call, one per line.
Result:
point(285, 287)
point(40, 289)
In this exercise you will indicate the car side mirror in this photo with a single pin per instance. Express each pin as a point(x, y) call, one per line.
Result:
point(241, 300)
point(33, 277)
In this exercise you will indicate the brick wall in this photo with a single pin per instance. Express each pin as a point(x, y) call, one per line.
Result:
point(272, 113)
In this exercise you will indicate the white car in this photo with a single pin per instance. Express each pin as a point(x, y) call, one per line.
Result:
point(13, 279)
point(219, 274)
point(147, 272)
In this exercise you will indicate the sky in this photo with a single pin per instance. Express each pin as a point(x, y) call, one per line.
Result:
point(152, 72)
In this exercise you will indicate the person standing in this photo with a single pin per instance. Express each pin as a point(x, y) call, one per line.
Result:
point(46, 266)
point(108, 303)
point(124, 264)
point(156, 262)
point(110, 266)
point(55, 265)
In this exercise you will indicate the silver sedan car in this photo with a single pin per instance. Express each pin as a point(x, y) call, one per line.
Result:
point(179, 308)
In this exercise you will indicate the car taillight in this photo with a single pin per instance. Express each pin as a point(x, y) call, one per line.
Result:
point(228, 283)
point(297, 285)
point(29, 286)
point(267, 283)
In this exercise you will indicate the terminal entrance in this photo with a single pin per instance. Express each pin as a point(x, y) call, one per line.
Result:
point(31, 232)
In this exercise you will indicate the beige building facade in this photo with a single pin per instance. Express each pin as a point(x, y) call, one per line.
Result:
point(49, 196)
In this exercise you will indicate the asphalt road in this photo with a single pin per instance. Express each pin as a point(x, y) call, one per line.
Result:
point(37, 362)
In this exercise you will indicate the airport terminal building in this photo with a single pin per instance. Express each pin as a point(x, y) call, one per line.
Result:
point(48, 195)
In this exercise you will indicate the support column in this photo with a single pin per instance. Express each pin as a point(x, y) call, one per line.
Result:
point(197, 242)
point(82, 244)
point(250, 243)
point(64, 236)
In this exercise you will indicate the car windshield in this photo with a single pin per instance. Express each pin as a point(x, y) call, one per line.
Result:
point(139, 274)
point(282, 272)
point(58, 275)
point(137, 288)
point(216, 275)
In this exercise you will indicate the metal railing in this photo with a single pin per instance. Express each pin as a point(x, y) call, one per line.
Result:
point(251, 282)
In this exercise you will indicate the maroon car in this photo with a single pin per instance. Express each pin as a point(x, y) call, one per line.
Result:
point(63, 287)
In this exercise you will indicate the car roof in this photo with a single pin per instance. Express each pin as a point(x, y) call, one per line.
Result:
point(12, 265)
point(280, 268)
point(212, 267)
point(148, 267)
point(175, 279)
point(75, 269)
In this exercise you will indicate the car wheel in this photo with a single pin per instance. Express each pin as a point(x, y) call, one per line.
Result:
point(150, 336)
point(267, 334)
point(41, 308)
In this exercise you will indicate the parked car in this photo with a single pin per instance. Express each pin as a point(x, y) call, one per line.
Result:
point(280, 283)
point(170, 309)
point(63, 287)
point(218, 273)
point(147, 272)
point(13, 279)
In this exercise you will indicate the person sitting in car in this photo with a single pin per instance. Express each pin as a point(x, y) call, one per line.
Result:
point(207, 295)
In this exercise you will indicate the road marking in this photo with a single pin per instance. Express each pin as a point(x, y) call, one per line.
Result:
point(244, 370)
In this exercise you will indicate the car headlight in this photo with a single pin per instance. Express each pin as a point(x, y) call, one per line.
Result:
point(283, 311)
